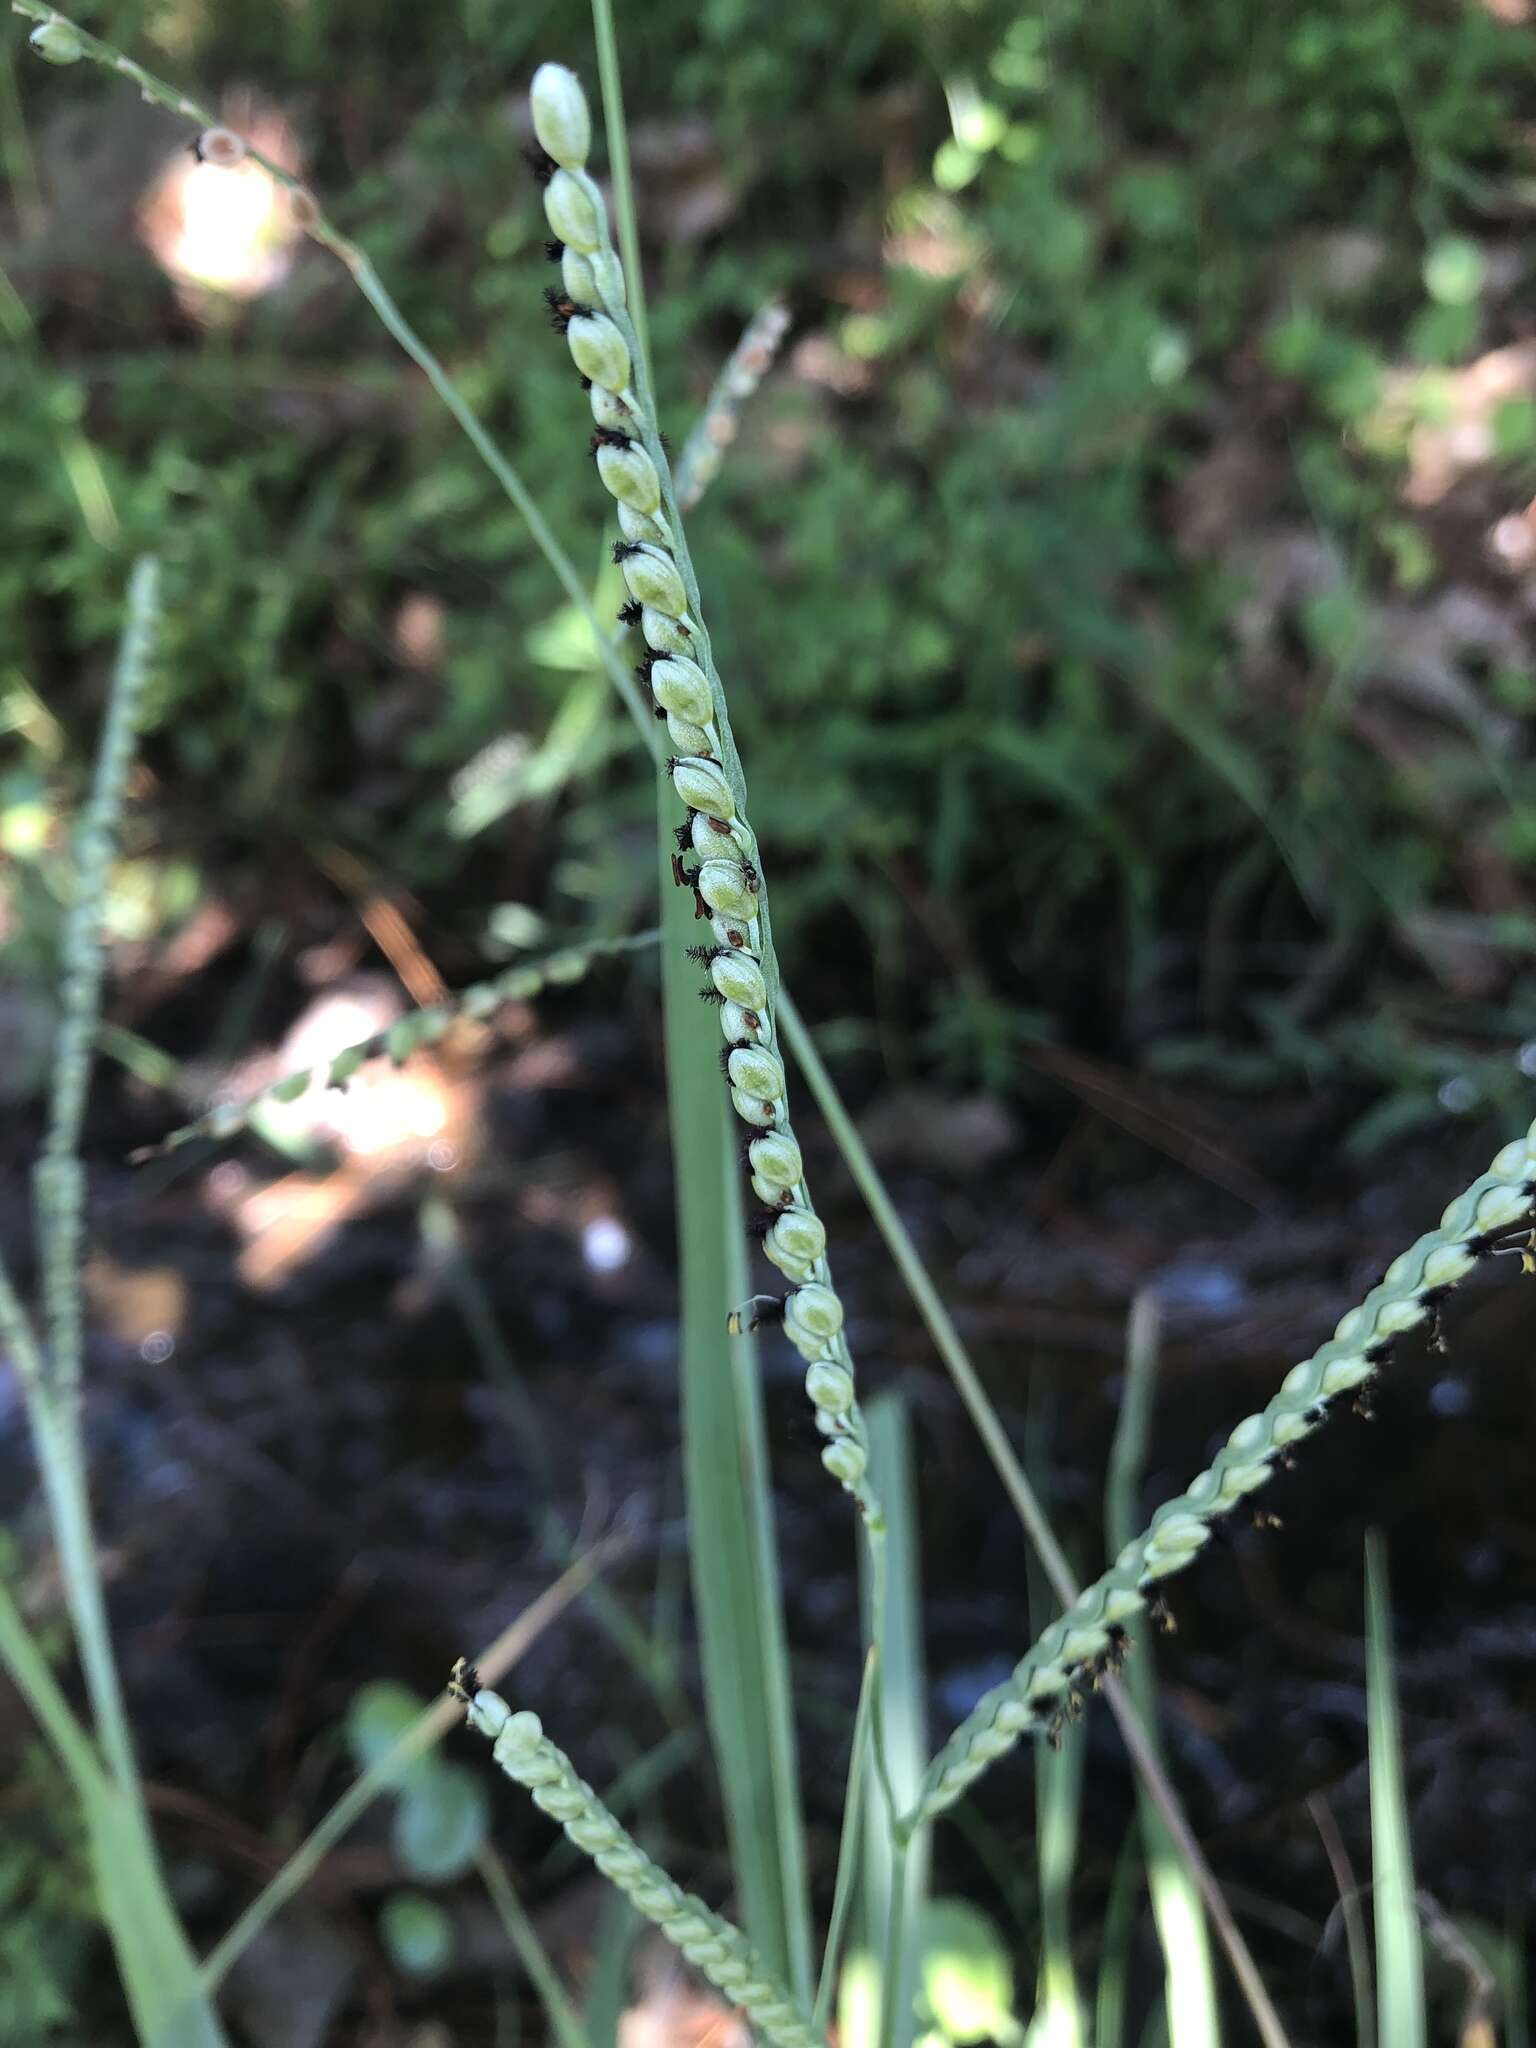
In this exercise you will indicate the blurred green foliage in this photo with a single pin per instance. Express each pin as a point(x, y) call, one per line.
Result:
point(1099, 310)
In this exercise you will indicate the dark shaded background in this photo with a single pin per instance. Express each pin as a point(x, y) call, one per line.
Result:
point(1125, 587)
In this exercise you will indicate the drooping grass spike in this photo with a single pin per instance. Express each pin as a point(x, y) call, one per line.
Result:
point(721, 1951)
point(407, 1035)
point(1083, 1640)
point(663, 599)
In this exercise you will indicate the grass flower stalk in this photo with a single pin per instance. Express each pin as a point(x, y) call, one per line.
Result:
point(407, 1035)
point(1089, 1638)
point(716, 1948)
point(679, 672)
point(720, 422)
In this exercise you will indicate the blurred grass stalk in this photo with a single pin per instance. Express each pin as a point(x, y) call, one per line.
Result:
point(1189, 1982)
point(1399, 1943)
point(1059, 2020)
point(894, 1882)
point(159, 1973)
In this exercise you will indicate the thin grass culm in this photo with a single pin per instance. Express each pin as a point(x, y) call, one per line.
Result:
point(677, 668)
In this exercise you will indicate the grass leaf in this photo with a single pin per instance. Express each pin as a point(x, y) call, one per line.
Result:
point(1399, 1945)
point(747, 1689)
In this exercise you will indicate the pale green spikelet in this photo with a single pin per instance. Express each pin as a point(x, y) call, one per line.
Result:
point(654, 562)
point(56, 42)
point(560, 117)
point(720, 1951)
point(1087, 1638)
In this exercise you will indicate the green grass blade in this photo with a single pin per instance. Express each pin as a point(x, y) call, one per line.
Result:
point(1399, 1944)
point(1059, 2018)
point(745, 1663)
point(564, 2023)
point(608, 1978)
point(159, 1971)
point(1357, 1945)
point(844, 1890)
point(1112, 1993)
point(1517, 2016)
point(1189, 1987)
point(901, 1731)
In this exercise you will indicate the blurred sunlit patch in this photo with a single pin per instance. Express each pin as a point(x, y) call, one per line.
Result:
point(1456, 421)
point(224, 233)
point(673, 2014)
point(927, 233)
point(143, 1307)
point(387, 1126)
point(418, 630)
point(606, 1245)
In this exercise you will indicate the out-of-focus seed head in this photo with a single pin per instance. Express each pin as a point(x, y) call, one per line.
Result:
point(221, 147)
point(846, 1461)
point(830, 1386)
point(56, 42)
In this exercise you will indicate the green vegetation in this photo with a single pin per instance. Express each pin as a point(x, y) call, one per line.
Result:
point(1103, 542)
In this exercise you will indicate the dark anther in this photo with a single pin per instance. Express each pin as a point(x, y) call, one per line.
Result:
point(609, 437)
point(623, 549)
point(553, 251)
point(710, 995)
point(704, 955)
point(1317, 1414)
point(540, 163)
point(562, 309)
point(1378, 1354)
